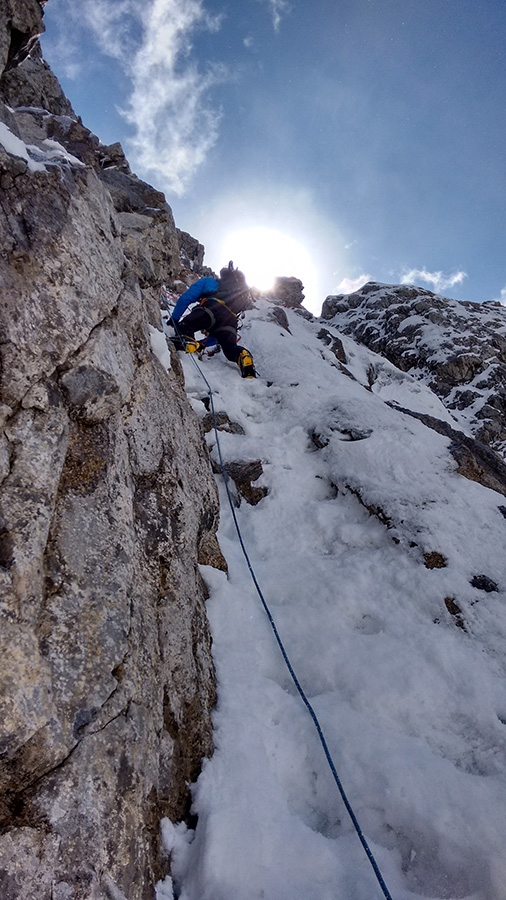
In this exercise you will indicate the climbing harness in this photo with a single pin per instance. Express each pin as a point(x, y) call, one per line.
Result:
point(300, 690)
point(222, 302)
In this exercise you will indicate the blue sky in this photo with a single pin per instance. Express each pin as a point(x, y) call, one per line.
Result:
point(350, 139)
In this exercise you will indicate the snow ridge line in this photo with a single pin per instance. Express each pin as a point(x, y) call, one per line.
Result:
point(300, 689)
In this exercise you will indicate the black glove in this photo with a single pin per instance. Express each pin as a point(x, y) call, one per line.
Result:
point(172, 322)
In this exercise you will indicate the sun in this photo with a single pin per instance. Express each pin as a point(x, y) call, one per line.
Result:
point(264, 253)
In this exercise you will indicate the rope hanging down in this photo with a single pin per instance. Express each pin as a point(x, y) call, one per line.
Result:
point(300, 690)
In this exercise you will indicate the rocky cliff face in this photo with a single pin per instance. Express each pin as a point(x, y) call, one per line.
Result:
point(107, 505)
point(457, 348)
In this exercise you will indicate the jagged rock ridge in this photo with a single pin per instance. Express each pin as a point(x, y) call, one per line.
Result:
point(457, 348)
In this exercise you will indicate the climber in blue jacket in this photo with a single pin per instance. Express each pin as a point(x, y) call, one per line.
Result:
point(220, 304)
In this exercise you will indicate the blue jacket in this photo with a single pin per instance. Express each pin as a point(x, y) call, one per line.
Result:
point(201, 288)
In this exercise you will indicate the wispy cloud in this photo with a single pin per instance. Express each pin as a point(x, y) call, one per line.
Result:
point(114, 25)
point(438, 280)
point(349, 285)
point(502, 298)
point(278, 9)
point(169, 106)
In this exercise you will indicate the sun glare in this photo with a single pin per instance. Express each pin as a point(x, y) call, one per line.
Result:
point(263, 254)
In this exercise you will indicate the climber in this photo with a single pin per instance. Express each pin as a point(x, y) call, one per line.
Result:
point(220, 304)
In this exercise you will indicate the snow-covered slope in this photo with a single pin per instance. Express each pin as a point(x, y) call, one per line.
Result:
point(366, 547)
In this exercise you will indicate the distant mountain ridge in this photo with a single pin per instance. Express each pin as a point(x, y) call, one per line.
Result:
point(457, 348)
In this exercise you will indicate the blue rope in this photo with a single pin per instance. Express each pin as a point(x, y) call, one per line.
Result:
point(284, 654)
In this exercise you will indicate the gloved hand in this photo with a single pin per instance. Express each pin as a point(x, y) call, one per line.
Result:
point(172, 322)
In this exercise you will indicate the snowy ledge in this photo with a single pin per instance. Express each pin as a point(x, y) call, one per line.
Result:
point(36, 158)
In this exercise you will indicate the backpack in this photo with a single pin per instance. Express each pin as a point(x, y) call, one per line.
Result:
point(233, 290)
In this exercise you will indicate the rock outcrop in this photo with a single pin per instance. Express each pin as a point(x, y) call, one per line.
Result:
point(289, 291)
point(457, 348)
point(107, 506)
point(21, 22)
point(286, 291)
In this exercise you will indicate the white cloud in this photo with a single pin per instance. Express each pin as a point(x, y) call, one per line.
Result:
point(278, 9)
point(113, 25)
point(174, 122)
point(349, 285)
point(502, 298)
point(438, 280)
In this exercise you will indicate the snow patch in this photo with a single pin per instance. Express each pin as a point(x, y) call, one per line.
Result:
point(16, 147)
point(159, 346)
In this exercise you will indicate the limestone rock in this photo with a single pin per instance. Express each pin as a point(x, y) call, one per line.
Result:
point(210, 553)
point(20, 26)
point(334, 344)
point(107, 507)
point(278, 315)
point(64, 252)
point(33, 84)
point(131, 195)
point(484, 583)
point(457, 348)
point(243, 473)
point(289, 291)
point(223, 423)
point(191, 251)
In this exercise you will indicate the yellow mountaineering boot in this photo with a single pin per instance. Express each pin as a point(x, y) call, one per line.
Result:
point(193, 346)
point(245, 363)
